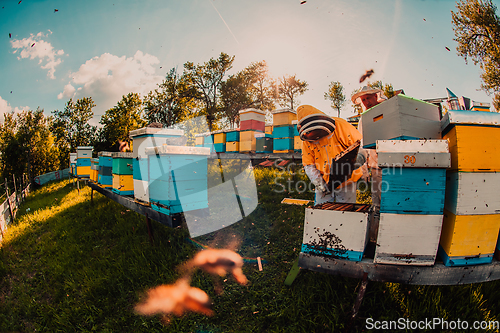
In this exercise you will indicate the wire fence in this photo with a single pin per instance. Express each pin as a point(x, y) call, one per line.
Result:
point(14, 193)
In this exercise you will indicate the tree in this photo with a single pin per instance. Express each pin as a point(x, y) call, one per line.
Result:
point(207, 79)
point(336, 95)
point(249, 88)
point(121, 119)
point(287, 89)
point(171, 101)
point(71, 128)
point(477, 32)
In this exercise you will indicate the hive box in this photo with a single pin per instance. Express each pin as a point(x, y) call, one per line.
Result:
point(105, 177)
point(463, 117)
point(72, 163)
point(269, 129)
point(233, 147)
point(122, 170)
point(297, 143)
point(408, 239)
point(251, 124)
point(247, 141)
point(400, 117)
point(83, 167)
point(151, 137)
point(219, 138)
point(283, 144)
point(469, 193)
point(280, 132)
point(264, 143)
point(94, 167)
point(84, 151)
point(178, 178)
point(123, 184)
point(232, 136)
point(468, 239)
point(283, 117)
point(252, 114)
point(335, 234)
point(413, 153)
point(220, 147)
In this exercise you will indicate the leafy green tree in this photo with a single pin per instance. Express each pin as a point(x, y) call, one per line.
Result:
point(249, 88)
point(171, 102)
point(477, 32)
point(207, 80)
point(335, 94)
point(121, 119)
point(71, 128)
point(287, 89)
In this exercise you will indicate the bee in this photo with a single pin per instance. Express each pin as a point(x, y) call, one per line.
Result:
point(366, 75)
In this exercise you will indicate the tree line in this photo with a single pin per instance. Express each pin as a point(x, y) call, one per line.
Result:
point(33, 143)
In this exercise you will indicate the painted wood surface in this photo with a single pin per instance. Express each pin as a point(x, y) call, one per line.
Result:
point(83, 162)
point(247, 146)
point(474, 148)
point(84, 151)
point(183, 167)
point(406, 146)
point(252, 125)
point(83, 171)
point(406, 239)
point(105, 161)
point(413, 153)
point(141, 190)
point(269, 129)
point(413, 191)
point(123, 184)
point(463, 117)
point(469, 235)
point(248, 136)
point(280, 132)
point(438, 274)
point(283, 117)
point(469, 193)
point(142, 142)
point(252, 114)
point(105, 181)
point(178, 150)
point(233, 146)
point(297, 143)
point(335, 234)
point(400, 116)
point(264, 145)
point(232, 136)
point(122, 166)
point(105, 171)
point(220, 138)
point(72, 158)
point(283, 144)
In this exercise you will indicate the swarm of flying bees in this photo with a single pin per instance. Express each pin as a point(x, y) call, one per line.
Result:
point(179, 298)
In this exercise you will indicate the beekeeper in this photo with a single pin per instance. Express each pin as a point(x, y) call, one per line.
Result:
point(325, 137)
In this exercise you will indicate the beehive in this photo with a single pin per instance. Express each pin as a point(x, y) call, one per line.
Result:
point(264, 143)
point(412, 200)
point(248, 141)
point(269, 129)
point(84, 151)
point(468, 239)
point(178, 178)
point(400, 118)
point(336, 230)
point(94, 167)
point(408, 239)
point(283, 117)
point(123, 180)
point(283, 145)
point(232, 147)
point(253, 125)
point(232, 136)
point(252, 114)
point(151, 137)
point(219, 137)
point(286, 131)
point(72, 163)
point(297, 142)
point(105, 177)
point(83, 167)
point(220, 147)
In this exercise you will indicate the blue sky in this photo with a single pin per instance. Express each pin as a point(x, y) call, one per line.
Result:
point(108, 48)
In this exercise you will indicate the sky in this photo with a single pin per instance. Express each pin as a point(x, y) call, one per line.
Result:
point(54, 50)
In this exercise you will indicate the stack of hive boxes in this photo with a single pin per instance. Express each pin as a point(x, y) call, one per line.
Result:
point(105, 176)
point(412, 200)
point(205, 140)
point(72, 163)
point(472, 207)
point(94, 169)
point(252, 121)
point(269, 129)
point(297, 142)
point(283, 130)
point(233, 141)
point(143, 138)
point(219, 141)
point(84, 154)
point(123, 180)
point(178, 178)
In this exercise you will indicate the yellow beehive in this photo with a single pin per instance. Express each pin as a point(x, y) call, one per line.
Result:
point(233, 146)
point(123, 184)
point(474, 148)
point(269, 129)
point(248, 136)
point(284, 117)
point(83, 170)
point(469, 236)
point(247, 146)
point(220, 138)
point(297, 143)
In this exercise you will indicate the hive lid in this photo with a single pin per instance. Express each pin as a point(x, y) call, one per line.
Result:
point(252, 110)
point(283, 111)
point(177, 150)
point(84, 148)
point(105, 154)
point(121, 154)
point(154, 130)
point(413, 146)
point(459, 117)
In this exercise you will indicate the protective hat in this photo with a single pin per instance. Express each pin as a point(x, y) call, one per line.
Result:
point(313, 124)
point(368, 90)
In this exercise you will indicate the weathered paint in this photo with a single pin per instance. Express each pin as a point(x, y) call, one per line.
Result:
point(264, 145)
point(474, 148)
point(105, 181)
point(233, 146)
point(122, 165)
point(413, 191)
point(463, 117)
point(123, 184)
point(84, 151)
point(83, 162)
point(232, 136)
point(252, 114)
point(413, 153)
point(469, 236)
point(219, 138)
point(141, 190)
point(283, 117)
point(247, 146)
point(400, 117)
point(252, 125)
point(335, 234)
point(286, 131)
point(469, 193)
point(283, 144)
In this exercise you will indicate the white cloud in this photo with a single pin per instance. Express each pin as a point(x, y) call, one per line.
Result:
point(34, 47)
point(107, 78)
point(5, 107)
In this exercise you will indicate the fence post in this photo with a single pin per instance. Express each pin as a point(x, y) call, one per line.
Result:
point(15, 189)
point(8, 201)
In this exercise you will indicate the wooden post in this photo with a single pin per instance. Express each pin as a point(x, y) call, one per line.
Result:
point(8, 201)
point(15, 189)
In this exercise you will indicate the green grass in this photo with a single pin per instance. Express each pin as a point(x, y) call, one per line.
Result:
point(72, 265)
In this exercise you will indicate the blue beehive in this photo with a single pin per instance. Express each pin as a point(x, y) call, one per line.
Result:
point(233, 136)
point(283, 132)
point(283, 144)
point(178, 178)
point(220, 147)
point(105, 177)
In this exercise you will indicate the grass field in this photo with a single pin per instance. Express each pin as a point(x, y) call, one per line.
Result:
point(69, 265)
